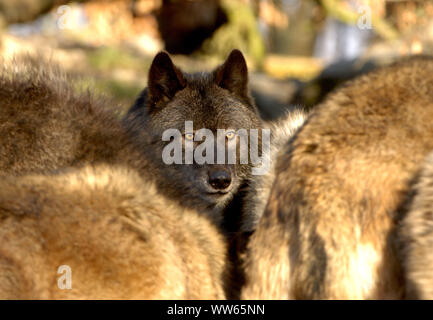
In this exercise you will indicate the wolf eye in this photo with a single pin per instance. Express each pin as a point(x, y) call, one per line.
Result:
point(189, 136)
point(230, 135)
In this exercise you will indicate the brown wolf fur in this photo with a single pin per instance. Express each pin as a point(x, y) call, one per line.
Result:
point(328, 231)
point(257, 191)
point(259, 187)
point(45, 125)
point(417, 237)
point(119, 236)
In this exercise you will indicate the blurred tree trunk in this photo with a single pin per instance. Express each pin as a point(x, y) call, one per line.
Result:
point(185, 25)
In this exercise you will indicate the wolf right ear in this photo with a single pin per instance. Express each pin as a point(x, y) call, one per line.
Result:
point(233, 74)
point(165, 79)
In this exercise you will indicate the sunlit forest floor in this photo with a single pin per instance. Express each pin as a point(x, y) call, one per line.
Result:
point(113, 52)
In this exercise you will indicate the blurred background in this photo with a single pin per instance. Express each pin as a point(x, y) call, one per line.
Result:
point(297, 50)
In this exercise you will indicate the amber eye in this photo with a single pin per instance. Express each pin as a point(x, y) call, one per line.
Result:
point(189, 136)
point(230, 135)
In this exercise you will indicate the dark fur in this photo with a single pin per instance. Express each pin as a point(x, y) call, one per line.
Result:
point(257, 194)
point(217, 100)
point(45, 125)
point(417, 237)
point(253, 197)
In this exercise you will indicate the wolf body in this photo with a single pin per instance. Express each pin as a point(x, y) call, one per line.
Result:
point(102, 232)
point(416, 236)
point(329, 227)
point(50, 134)
point(45, 125)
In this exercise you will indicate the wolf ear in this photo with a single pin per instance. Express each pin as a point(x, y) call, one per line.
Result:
point(165, 79)
point(233, 74)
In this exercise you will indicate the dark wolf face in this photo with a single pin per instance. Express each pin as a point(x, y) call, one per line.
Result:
point(216, 100)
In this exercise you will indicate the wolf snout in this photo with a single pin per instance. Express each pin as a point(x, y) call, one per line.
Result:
point(220, 179)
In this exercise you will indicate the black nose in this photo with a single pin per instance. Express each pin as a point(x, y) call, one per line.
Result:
point(220, 180)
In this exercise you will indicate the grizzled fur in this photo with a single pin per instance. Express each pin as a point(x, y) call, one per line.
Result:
point(328, 231)
point(217, 100)
point(417, 237)
point(45, 125)
point(118, 235)
point(256, 193)
point(259, 188)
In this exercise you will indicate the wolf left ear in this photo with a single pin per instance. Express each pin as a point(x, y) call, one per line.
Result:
point(233, 74)
point(165, 79)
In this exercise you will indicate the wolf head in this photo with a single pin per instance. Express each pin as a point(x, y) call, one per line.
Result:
point(212, 101)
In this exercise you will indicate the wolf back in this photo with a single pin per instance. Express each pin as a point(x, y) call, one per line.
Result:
point(329, 228)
